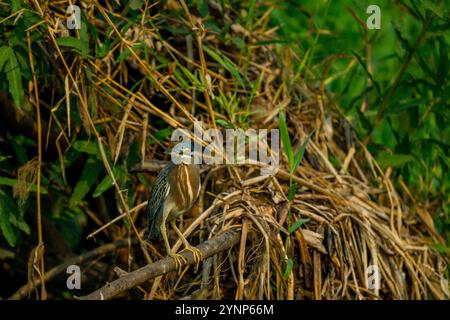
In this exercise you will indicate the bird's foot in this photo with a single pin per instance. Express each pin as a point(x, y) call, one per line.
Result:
point(179, 260)
point(197, 254)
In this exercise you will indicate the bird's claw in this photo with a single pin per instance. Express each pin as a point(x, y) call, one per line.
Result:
point(179, 260)
point(197, 254)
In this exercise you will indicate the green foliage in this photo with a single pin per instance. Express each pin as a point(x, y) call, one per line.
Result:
point(406, 116)
point(11, 219)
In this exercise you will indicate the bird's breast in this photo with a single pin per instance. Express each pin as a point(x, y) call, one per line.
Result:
point(184, 187)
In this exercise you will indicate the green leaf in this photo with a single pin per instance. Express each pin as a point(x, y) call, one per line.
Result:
point(5, 51)
point(104, 49)
point(16, 5)
point(75, 43)
point(103, 186)
point(162, 134)
point(84, 36)
point(269, 42)
point(4, 158)
point(297, 224)
point(202, 6)
point(20, 224)
point(441, 248)
point(225, 123)
point(437, 10)
point(364, 121)
point(444, 64)
point(394, 160)
point(403, 41)
point(89, 147)
point(5, 224)
point(251, 10)
point(127, 52)
point(292, 191)
point(179, 76)
point(87, 180)
point(285, 139)
point(107, 182)
point(227, 64)
point(136, 4)
point(287, 271)
point(14, 77)
point(303, 63)
point(12, 182)
point(191, 77)
point(377, 86)
point(299, 155)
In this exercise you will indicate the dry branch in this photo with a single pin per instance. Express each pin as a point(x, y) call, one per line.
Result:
point(208, 248)
point(25, 289)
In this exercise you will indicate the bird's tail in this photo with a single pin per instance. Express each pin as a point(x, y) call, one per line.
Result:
point(153, 230)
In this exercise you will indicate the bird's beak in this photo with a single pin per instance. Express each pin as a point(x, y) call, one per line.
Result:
point(148, 166)
point(137, 168)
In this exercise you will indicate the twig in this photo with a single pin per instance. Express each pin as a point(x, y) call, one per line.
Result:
point(39, 169)
point(123, 215)
point(208, 248)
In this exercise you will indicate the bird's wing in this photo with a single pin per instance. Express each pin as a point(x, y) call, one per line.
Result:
point(155, 206)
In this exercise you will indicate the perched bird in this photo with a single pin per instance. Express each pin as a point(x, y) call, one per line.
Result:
point(174, 192)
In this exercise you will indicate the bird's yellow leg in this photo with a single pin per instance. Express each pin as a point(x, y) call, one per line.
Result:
point(197, 254)
point(179, 259)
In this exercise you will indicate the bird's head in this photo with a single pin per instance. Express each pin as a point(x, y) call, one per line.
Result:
point(182, 152)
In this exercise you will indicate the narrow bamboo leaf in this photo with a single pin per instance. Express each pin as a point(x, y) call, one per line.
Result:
point(136, 4)
point(127, 52)
point(89, 147)
point(285, 139)
point(394, 160)
point(301, 152)
point(20, 223)
point(75, 43)
point(14, 76)
point(227, 64)
point(87, 180)
point(361, 62)
point(5, 224)
point(251, 10)
point(364, 121)
point(84, 36)
point(269, 42)
point(107, 182)
point(303, 62)
point(5, 52)
point(297, 224)
point(225, 123)
point(287, 271)
point(292, 191)
point(12, 182)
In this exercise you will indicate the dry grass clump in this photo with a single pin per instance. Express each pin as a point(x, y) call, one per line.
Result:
point(167, 70)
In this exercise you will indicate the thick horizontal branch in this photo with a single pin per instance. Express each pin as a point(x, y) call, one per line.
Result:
point(208, 248)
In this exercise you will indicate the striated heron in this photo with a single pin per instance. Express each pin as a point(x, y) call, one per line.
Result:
point(174, 192)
